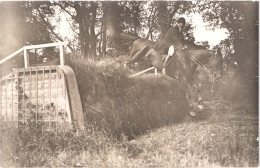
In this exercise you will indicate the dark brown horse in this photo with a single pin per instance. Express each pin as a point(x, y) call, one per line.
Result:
point(142, 50)
point(208, 60)
point(183, 63)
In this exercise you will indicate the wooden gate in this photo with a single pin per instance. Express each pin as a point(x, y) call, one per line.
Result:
point(43, 94)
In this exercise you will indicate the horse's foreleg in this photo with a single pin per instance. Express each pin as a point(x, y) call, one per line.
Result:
point(194, 98)
point(212, 82)
point(200, 106)
point(189, 99)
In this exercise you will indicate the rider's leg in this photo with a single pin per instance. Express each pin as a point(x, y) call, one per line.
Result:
point(165, 63)
point(170, 53)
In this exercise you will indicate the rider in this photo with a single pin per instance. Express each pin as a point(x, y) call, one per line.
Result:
point(174, 36)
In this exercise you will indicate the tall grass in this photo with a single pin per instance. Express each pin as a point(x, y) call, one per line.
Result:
point(117, 107)
point(34, 147)
point(123, 105)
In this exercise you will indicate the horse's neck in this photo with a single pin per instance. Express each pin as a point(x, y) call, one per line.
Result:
point(179, 66)
point(201, 56)
point(172, 67)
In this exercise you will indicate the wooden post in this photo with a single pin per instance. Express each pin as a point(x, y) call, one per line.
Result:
point(62, 61)
point(26, 58)
point(155, 71)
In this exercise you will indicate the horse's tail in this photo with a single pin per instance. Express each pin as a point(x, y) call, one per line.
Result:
point(137, 56)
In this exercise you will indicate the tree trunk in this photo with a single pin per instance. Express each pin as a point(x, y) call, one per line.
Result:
point(82, 19)
point(171, 14)
point(162, 17)
point(113, 17)
point(104, 27)
point(93, 37)
point(151, 20)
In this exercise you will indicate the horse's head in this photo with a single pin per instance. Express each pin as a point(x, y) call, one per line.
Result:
point(211, 59)
point(215, 63)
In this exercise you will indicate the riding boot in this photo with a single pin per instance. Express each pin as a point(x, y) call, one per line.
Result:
point(163, 71)
point(165, 64)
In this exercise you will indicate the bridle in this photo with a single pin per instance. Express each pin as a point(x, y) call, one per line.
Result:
point(200, 64)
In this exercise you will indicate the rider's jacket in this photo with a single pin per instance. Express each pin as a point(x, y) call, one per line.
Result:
point(172, 37)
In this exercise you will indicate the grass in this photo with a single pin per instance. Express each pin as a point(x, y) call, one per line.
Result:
point(126, 105)
point(229, 140)
point(226, 137)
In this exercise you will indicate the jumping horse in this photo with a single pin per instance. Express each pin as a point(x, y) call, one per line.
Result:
point(182, 65)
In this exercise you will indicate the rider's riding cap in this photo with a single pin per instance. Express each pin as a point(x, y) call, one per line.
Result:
point(181, 20)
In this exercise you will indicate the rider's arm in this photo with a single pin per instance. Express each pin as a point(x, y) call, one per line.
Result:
point(175, 36)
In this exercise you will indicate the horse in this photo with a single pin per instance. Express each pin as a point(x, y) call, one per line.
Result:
point(209, 61)
point(184, 62)
point(142, 50)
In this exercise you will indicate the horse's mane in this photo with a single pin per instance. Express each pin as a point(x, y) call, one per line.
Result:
point(200, 50)
point(194, 46)
point(202, 55)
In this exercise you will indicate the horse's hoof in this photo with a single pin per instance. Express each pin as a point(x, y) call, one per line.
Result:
point(163, 71)
point(188, 96)
point(193, 114)
point(200, 107)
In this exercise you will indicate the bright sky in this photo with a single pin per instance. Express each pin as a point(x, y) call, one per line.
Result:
point(203, 33)
point(63, 26)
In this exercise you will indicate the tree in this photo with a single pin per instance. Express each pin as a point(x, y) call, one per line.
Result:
point(245, 32)
point(241, 20)
point(104, 29)
point(124, 19)
point(21, 26)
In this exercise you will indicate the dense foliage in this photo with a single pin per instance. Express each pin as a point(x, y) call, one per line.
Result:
point(108, 28)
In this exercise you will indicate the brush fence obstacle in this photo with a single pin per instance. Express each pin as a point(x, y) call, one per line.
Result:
point(43, 94)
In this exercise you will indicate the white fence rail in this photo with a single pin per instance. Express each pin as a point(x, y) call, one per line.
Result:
point(26, 55)
point(146, 70)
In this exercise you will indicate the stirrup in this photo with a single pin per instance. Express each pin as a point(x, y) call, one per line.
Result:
point(164, 57)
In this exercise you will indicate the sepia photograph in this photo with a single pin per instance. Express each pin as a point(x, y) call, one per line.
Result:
point(129, 83)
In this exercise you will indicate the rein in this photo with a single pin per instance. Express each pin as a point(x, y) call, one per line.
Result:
point(199, 63)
